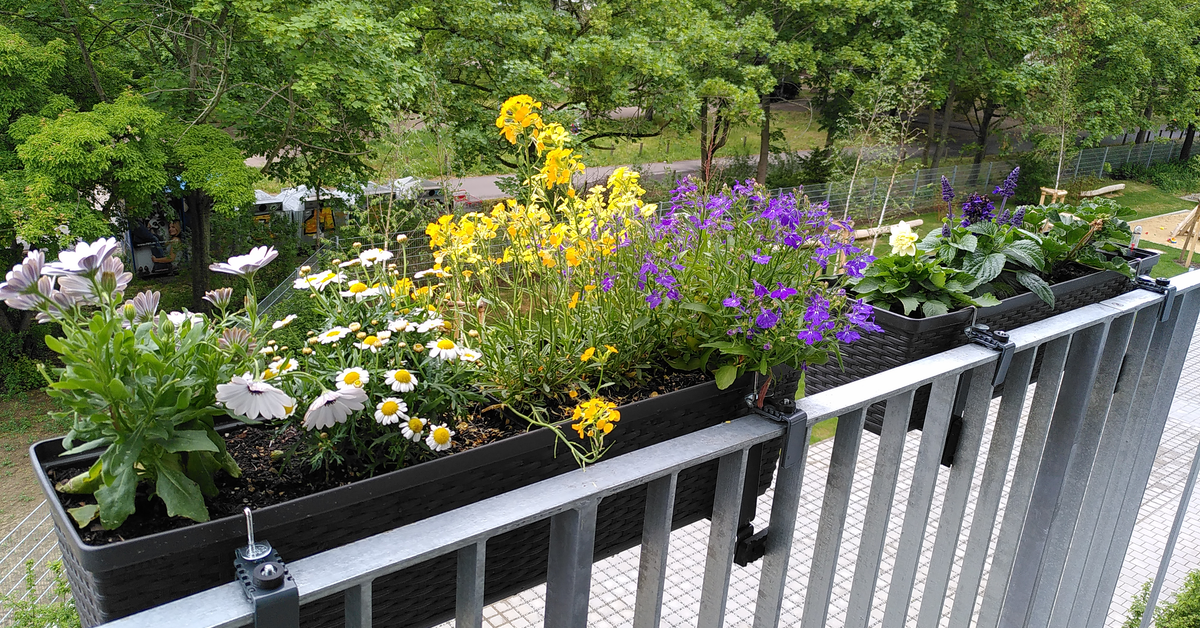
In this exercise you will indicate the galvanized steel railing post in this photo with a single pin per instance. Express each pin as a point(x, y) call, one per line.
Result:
point(470, 583)
point(358, 606)
point(784, 508)
point(1082, 363)
point(656, 538)
point(569, 573)
point(1184, 500)
point(722, 539)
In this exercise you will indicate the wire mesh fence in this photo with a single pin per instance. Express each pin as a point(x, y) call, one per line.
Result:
point(870, 197)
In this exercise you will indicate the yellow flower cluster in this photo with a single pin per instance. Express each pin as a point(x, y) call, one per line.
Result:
point(516, 114)
point(464, 240)
point(594, 417)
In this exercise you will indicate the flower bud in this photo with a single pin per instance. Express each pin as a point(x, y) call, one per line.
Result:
point(270, 343)
point(304, 270)
point(108, 282)
point(306, 351)
point(374, 321)
point(311, 333)
point(336, 262)
point(283, 348)
point(418, 347)
point(400, 239)
point(313, 340)
point(355, 326)
point(402, 345)
point(130, 311)
point(360, 335)
point(473, 333)
point(357, 245)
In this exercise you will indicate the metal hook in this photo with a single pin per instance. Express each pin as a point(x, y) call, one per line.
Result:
point(253, 551)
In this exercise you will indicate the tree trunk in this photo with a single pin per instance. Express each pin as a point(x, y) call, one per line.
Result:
point(201, 208)
point(83, 51)
point(764, 142)
point(947, 112)
point(1143, 134)
point(929, 135)
point(985, 125)
point(704, 164)
point(1185, 153)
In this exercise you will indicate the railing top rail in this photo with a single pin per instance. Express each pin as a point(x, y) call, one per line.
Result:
point(343, 567)
point(869, 390)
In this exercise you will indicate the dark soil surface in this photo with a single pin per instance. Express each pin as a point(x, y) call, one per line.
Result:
point(269, 479)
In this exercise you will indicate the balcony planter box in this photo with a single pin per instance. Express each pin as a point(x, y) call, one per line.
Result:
point(907, 339)
point(121, 578)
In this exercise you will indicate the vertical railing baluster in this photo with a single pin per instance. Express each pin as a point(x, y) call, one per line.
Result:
point(879, 509)
point(784, 508)
point(920, 497)
point(1171, 341)
point(995, 472)
point(1089, 527)
point(469, 595)
point(1050, 378)
point(656, 538)
point(833, 517)
point(1081, 456)
point(722, 539)
point(1176, 526)
point(1083, 360)
point(958, 492)
point(569, 572)
point(358, 606)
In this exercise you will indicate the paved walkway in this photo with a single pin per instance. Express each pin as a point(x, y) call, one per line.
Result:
point(614, 581)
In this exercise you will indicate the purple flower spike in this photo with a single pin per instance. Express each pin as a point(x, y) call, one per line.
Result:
point(947, 191)
point(1018, 217)
point(977, 209)
point(946, 229)
point(732, 301)
point(767, 319)
point(1009, 187)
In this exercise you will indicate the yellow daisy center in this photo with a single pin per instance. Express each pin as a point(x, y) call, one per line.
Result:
point(351, 378)
point(403, 376)
point(358, 287)
point(333, 333)
point(370, 340)
point(441, 436)
point(389, 408)
point(445, 344)
point(416, 424)
point(268, 374)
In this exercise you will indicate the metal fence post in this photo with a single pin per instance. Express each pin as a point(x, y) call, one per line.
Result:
point(1103, 160)
point(954, 177)
point(1150, 159)
point(871, 200)
point(988, 179)
point(1078, 159)
point(722, 539)
point(569, 573)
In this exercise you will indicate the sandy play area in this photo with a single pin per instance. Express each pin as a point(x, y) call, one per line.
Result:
point(1158, 229)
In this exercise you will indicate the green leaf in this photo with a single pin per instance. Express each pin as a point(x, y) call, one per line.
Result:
point(84, 515)
point(189, 440)
point(986, 300)
point(116, 389)
point(1036, 285)
point(909, 304)
point(934, 308)
point(85, 483)
point(698, 307)
point(985, 268)
point(1027, 253)
point(725, 376)
point(938, 278)
point(116, 499)
point(200, 469)
point(639, 323)
point(55, 344)
point(181, 495)
point(967, 243)
point(868, 284)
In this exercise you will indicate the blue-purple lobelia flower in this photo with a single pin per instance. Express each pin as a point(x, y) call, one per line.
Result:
point(856, 266)
point(654, 299)
point(767, 319)
point(783, 292)
point(759, 258)
point(848, 335)
point(732, 301)
point(606, 284)
point(977, 209)
point(947, 191)
point(760, 291)
point(862, 315)
point(810, 336)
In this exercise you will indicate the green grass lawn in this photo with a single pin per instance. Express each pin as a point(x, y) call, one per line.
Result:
point(1149, 201)
point(1167, 265)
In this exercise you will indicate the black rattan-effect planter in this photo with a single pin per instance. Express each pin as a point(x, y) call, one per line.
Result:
point(122, 578)
point(906, 340)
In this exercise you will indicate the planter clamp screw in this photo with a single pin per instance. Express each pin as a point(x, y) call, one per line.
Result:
point(266, 582)
point(1163, 286)
point(994, 339)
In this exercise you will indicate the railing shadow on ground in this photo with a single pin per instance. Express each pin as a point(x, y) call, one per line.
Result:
point(1055, 554)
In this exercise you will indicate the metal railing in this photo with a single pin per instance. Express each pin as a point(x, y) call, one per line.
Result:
point(1055, 553)
point(923, 188)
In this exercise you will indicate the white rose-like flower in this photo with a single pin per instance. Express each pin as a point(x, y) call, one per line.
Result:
point(400, 380)
point(252, 399)
point(391, 411)
point(248, 264)
point(413, 429)
point(903, 240)
point(333, 407)
point(439, 438)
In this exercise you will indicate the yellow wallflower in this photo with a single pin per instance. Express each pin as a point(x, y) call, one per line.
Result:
point(518, 113)
point(587, 355)
point(574, 301)
point(572, 255)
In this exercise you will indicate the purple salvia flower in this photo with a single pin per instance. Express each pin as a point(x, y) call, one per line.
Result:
point(1009, 187)
point(1018, 217)
point(767, 319)
point(947, 191)
point(977, 209)
point(946, 229)
point(1004, 218)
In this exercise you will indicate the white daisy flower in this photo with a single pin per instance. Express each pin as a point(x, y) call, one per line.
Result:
point(371, 343)
point(177, 318)
point(384, 335)
point(253, 399)
point(444, 349)
point(360, 291)
point(334, 407)
point(439, 438)
point(413, 429)
point(287, 320)
point(433, 323)
point(401, 380)
point(436, 272)
point(469, 355)
point(319, 280)
point(400, 325)
point(333, 335)
point(247, 264)
point(391, 411)
point(287, 366)
point(352, 377)
point(374, 256)
point(267, 350)
point(348, 263)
